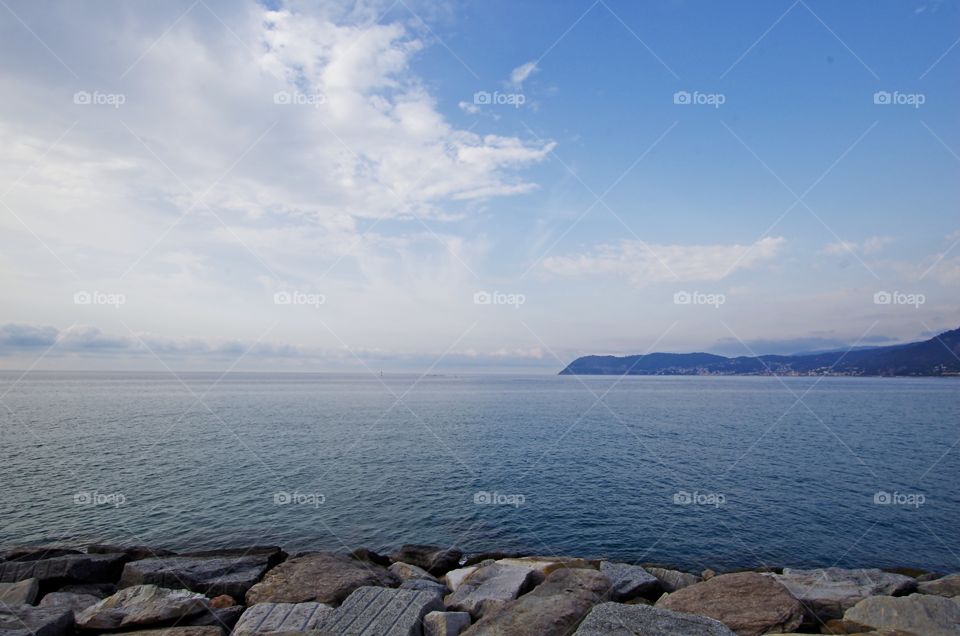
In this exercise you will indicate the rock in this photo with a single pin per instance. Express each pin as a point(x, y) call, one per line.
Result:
point(454, 578)
point(922, 614)
point(672, 580)
point(748, 603)
point(614, 619)
point(707, 574)
point(273, 554)
point(70, 568)
point(132, 552)
point(434, 559)
point(368, 555)
point(272, 618)
point(26, 620)
point(20, 593)
point(177, 631)
point(379, 611)
point(76, 603)
point(212, 575)
point(405, 571)
point(474, 559)
point(100, 590)
point(946, 586)
point(628, 581)
point(321, 577)
point(141, 605)
point(542, 566)
point(425, 585)
point(224, 600)
point(445, 623)
point(36, 553)
point(489, 588)
point(553, 608)
point(224, 618)
point(828, 592)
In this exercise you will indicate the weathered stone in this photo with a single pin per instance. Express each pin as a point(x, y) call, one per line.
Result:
point(26, 620)
point(828, 592)
point(921, 614)
point(141, 605)
point(76, 603)
point(211, 575)
point(70, 568)
point(224, 617)
point(542, 566)
point(132, 552)
point(615, 619)
point(273, 618)
point(445, 623)
point(946, 586)
point(224, 600)
point(405, 571)
point(707, 574)
point(100, 590)
point(321, 577)
point(454, 578)
point(379, 611)
point(480, 557)
point(553, 608)
point(489, 588)
point(672, 580)
point(36, 553)
point(425, 585)
point(434, 559)
point(177, 631)
point(747, 602)
point(628, 581)
point(368, 555)
point(19, 593)
point(272, 553)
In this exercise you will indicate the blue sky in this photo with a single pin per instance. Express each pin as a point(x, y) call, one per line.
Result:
point(166, 170)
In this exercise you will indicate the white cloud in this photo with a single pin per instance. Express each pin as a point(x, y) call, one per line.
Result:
point(871, 245)
point(520, 74)
point(643, 264)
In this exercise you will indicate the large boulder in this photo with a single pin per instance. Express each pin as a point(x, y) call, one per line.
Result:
point(489, 588)
point(628, 581)
point(921, 614)
point(76, 603)
point(132, 552)
point(212, 575)
point(947, 586)
point(542, 566)
point(553, 608)
point(616, 619)
point(370, 556)
point(321, 577)
point(454, 578)
point(25, 620)
point(748, 603)
point(379, 611)
point(275, 618)
point(445, 623)
point(828, 592)
point(672, 580)
point(141, 605)
point(69, 568)
point(272, 553)
point(405, 572)
point(36, 553)
point(19, 593)
point(434, 559)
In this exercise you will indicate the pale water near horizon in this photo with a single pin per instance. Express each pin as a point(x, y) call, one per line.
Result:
point(334, 461)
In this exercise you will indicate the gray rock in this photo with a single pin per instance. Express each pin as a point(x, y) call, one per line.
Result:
point(615, 619)
point(321, 577)
point(141, 605)
point(379, 611)
point(445, 623)
point(272, 553)
point(222, 617)
point(36, 553)
point(454, 578)
point(489, 588)
point(273, 618)
point(946, 586)
point(553, 608)
point(25, 620)
point(177, 631)
point(628, 581)
point(20, 593)
point(405, 571)
point(672, 580)
point(132, 552)
point(425, 585)
point(475, 559)
point(70, 568)
point(434, 559)
point(100, 590)
point(76, 603)
point(368, 555)
point(210, 575)
point(544, 565)
point(828, 592)
point(922, 614)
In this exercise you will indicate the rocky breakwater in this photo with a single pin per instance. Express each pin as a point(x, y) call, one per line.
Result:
point(422, 590)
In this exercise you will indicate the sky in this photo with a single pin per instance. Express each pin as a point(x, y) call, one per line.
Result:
point(477, 185)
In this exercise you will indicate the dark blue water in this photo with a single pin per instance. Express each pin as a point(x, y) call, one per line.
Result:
point(780, 471)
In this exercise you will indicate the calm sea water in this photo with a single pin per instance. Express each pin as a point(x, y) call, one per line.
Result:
point(778, 472)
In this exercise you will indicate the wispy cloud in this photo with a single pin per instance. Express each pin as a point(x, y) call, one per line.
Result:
point(520, 74)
